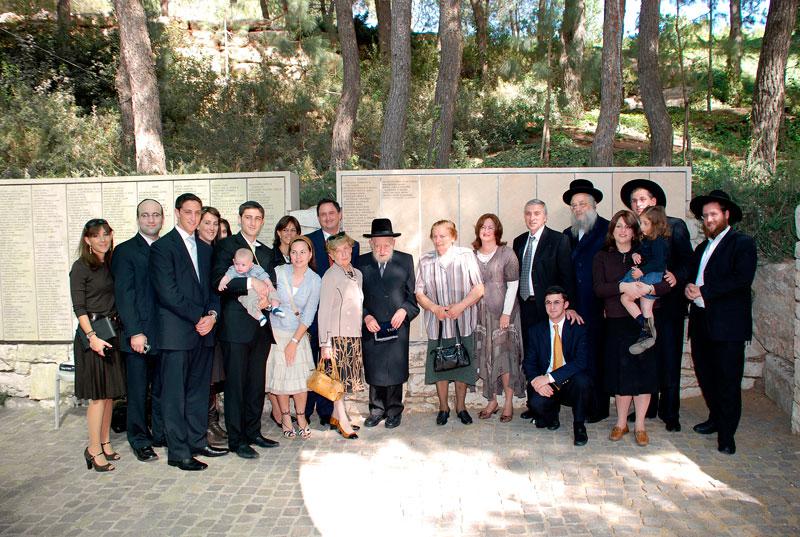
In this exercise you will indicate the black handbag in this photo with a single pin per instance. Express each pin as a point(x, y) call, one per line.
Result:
point(104, 327)
point(450, 357)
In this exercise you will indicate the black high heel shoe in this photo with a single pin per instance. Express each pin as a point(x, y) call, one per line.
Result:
point(90, 462)
point(113, 456)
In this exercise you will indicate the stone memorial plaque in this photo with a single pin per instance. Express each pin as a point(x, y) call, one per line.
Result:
point(603, 182)
point(270, 193)
point(439, 201)
point(226, 196)
point(360, 200)
point(84, 202)
point(515, 191)
point(551, 187)
point(678, 194)
point(161, 191)
point(51, 244)
point(119, 208)
point(401, 206)
point(200, 188)
point(17, 276)
point(478, 195)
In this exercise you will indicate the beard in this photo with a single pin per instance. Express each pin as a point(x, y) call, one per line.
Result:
point(386, 259)
point(583, 223)
point(716, 230)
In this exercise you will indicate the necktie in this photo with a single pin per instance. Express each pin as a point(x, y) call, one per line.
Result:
point(191, 245)
point(383, 267)
point(558, 352)
point(524, 275)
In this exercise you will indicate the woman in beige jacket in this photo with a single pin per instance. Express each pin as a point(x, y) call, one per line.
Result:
point(340, 318)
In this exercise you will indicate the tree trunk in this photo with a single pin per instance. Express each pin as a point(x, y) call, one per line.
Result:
point(571, 59)
point(327, 19)
point(264, 9)
point(63, 21)
point(384, 9)
point(138, 57)
point(395, 114)
point(610, 85)
point(342, 143)
point(686, 145)
point(125, 98)
point(480, 13)
point(165, 8)
point(655, 109)
point(710, 73)
point(770, 89)
point(446, 82)
point(541, 31)
point(735, 51)
point(544, 152)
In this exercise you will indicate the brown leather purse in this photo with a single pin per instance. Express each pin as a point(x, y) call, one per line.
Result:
point(328, 386)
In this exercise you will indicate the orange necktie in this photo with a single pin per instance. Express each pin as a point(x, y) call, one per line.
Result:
point(558, 352)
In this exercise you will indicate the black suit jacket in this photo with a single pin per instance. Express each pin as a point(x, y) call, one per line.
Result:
point(582, 254)
point(181, 299)
point(537, 355)
point(726, 288)
point(679, 264)
point(386, 363)
point(236, 325)
point(322, 263)
point(133, 292)
point(552, 265)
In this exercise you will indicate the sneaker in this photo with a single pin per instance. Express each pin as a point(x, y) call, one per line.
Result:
point(262, 321)
point(277, 312)
point(645, 341)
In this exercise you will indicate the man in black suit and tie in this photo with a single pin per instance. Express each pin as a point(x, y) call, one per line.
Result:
point(180, 269)
point(329, 214)
point(245, 344)
point(136, 305)
point(555, 366)
point(544, 260)
point(720, 317)
point(389, 303)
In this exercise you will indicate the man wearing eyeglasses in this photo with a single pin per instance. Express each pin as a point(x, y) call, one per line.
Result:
point(136, 304)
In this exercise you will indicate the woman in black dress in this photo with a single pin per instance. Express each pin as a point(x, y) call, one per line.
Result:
point(627, 376)
point(99, 370)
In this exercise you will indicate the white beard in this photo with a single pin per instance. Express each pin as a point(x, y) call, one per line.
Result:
point(585, 224)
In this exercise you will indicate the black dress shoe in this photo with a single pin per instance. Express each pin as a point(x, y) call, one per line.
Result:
point(324, 420)
point(189, 465)
point(706, 427)
point(372, 421)
point(729, 448)
point(392, 421)
point(580, 434)
point(465, 418)
point(673, 426)
point(527, 415)
point(159, 443)
point(554, 425)
point(442, 416)
point(246, 452)
point(211, 451)
point(260, 441)
point(145, 454)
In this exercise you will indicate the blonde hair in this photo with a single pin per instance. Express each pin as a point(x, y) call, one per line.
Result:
point(449, 224)
point(334, 241)
point(244, 253)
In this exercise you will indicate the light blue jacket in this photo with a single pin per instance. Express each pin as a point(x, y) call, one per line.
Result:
point(306, 300)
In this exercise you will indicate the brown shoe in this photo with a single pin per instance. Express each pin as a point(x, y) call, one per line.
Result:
point(617, 433)
point(641, 438)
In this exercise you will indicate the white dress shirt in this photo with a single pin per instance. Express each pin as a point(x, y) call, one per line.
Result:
point(552, 336)
point(191, 247)
point(710, 247)
point(537, 237)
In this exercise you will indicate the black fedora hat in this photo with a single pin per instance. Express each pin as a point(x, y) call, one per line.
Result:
point(721, 197)
point(381, 227)
point(651, 186)
point(581, 186)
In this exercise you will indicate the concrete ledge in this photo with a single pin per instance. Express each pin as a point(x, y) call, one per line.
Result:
point(779, 382)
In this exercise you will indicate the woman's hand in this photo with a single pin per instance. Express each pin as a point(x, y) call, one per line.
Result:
point(326, 353)
point(98, 345)
point(440, 312)
point(505, 320)
point(670, 278)
point(634, 289)
point(454, 311)
point(290, 352)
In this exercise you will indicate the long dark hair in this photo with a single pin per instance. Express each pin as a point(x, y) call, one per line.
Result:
point(282, 224)
point(92, 229)
point(214, 212)
point(630, 219)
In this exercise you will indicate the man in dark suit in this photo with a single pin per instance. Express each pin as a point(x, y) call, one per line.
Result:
point(555, 366)
point(389, 302)
point(180, 269)
point(638, 195)
point(587, 234)
point(245, 344)
point(720, 318)
point(329, 214)
point(544, 260)
point(136, 305)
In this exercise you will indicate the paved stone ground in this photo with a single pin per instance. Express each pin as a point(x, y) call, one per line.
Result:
point(490, 479)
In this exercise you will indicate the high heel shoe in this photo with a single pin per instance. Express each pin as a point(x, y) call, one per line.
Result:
point(288, 433)
point(90, 462)
point(113, 456)
point(351, 436)
point(335, 424)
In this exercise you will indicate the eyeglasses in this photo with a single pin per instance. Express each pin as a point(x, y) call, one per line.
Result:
point(487, 228)
point(579, 205)
point(95, 222)
point(337, 236)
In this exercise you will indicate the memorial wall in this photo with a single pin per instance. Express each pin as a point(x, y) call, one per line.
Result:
point(43, 219)
point(415, 200)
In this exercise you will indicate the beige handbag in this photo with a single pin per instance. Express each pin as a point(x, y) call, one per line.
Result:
point(328, 386)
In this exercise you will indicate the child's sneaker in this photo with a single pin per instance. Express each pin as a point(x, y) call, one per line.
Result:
point(262, 321)
point(277, 312)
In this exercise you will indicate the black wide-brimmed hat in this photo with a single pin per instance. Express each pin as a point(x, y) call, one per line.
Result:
point(581, 186)
point(651, 186)
point(381, 227)
point(721, 197)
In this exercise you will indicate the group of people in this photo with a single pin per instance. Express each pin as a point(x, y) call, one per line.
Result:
point(564, 318)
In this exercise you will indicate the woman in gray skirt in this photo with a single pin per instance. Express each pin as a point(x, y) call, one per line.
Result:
point(448, 287)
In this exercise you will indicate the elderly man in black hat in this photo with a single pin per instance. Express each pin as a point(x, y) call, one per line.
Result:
point(587, 233)
point(389, 307)
point(720, 317)
point(638, 195)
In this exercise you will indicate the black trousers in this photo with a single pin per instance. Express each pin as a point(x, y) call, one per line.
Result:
point(185, 380)
point(719, 366)
point(529, 316)
point(386, 400)
point(598, 399)
point(315, 401)
point(669, 353)
point(143, 374)
point(576, 393)
point(245, 370)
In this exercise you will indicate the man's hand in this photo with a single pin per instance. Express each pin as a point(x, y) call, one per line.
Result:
point(262, 288)
point(634, 289)
point(138, 342)
point(372, 324)
point(692, 291)
point(541, 385)
point(398, 318)
point(670, 278)
point(573, 317)
point(205, 324)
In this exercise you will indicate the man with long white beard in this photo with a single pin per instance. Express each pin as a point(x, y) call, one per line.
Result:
point(587, 234)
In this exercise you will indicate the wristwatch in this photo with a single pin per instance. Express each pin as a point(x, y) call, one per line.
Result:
point(213, 314)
